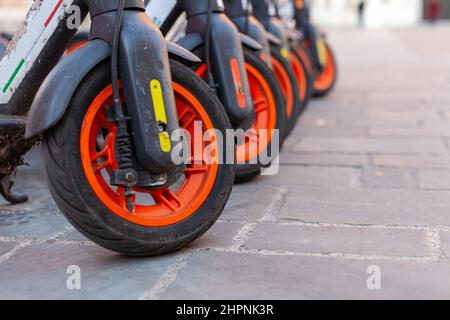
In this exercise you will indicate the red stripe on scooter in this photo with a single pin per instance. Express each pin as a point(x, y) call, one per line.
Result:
point(50, 17)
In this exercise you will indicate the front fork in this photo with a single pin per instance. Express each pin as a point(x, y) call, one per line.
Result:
point(303, 24)
point(147, 85)
point(239, 12)
point(226, 57)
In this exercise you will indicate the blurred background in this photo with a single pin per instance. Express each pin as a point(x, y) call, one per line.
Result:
point(336, 13)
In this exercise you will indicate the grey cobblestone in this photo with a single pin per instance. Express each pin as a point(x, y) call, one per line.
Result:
point(328, 239)
point(369, 206)
point(363, 182)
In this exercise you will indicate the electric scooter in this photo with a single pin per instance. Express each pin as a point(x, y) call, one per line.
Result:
point(318, 55)
point(108, 116)
point(290, 71)
point(244, 83)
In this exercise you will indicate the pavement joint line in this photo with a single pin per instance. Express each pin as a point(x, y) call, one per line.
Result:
point(74, 242)
point(349, 226)
point(242, 236)
point(338, 255)
point(356, 177)
point(291, 222)
point(434, 239)
point(320, 165)
point(413, 177)
point(10, 239)
point(13, 252)
point(277, 203)
point(23, 243)
point(410, 153)
point(166, 279)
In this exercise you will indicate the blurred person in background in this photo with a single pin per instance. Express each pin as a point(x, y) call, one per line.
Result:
point(432, 10)
point(361, 13)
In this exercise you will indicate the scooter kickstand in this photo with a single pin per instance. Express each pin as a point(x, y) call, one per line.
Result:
point(14, 197)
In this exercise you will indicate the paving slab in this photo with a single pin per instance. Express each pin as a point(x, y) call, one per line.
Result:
point(367, 207)
point(386, 178)
point(40, 272)
point(363, 186)
point(258, 276)
point(380, 241)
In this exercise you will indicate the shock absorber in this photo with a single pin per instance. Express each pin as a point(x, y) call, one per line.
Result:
point(126, 177)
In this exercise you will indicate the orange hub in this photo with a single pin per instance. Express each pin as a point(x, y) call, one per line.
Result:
point(265, 116)
point(152, 208)
point(326, 78)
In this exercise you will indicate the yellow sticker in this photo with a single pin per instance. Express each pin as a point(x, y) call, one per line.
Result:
point(160, 114)
point(322, 50)
point(284, 53)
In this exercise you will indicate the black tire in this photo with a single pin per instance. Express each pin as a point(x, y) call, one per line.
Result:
point(76, 199)
point(297, 104)
point(309, 81)
point(323, 92)
point(246, 172)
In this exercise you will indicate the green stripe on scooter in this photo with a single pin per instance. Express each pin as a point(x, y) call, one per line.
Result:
point(13, 75)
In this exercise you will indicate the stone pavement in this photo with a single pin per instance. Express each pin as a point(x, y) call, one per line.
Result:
point(364, 182)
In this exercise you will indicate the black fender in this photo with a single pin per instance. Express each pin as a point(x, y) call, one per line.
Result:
point(273, 39)
point(194, 40)
point(55, 93)
point(250, 43)
point(182, 55)
point(294, 35)
point(191, 41)
point(54, 96)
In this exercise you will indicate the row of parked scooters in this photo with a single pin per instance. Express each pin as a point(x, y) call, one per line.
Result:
point(108, 107)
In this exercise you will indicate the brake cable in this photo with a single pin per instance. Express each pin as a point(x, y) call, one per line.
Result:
point(209, 76)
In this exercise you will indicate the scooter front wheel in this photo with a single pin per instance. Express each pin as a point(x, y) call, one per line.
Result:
point(269, 117)
point(80, 154)
point(290, 88)
point(303, 78)
point(326, 80)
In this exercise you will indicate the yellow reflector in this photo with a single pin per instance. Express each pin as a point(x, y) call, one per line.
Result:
point(322, 50)
point(284, 53)
point(160, 114)
point(164, 141)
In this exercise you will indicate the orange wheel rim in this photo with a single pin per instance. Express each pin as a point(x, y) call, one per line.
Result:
point(76, 46)
point(326, 78)
point(300, 76)
point(152, 208)
point(265, 116)
point(286, 86)
point(304, 56)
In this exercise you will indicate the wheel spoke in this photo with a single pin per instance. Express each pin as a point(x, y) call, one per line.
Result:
point(99, 167)
point(167, 198)
point(260, 105)
point(187, 118)
point(196, 169)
